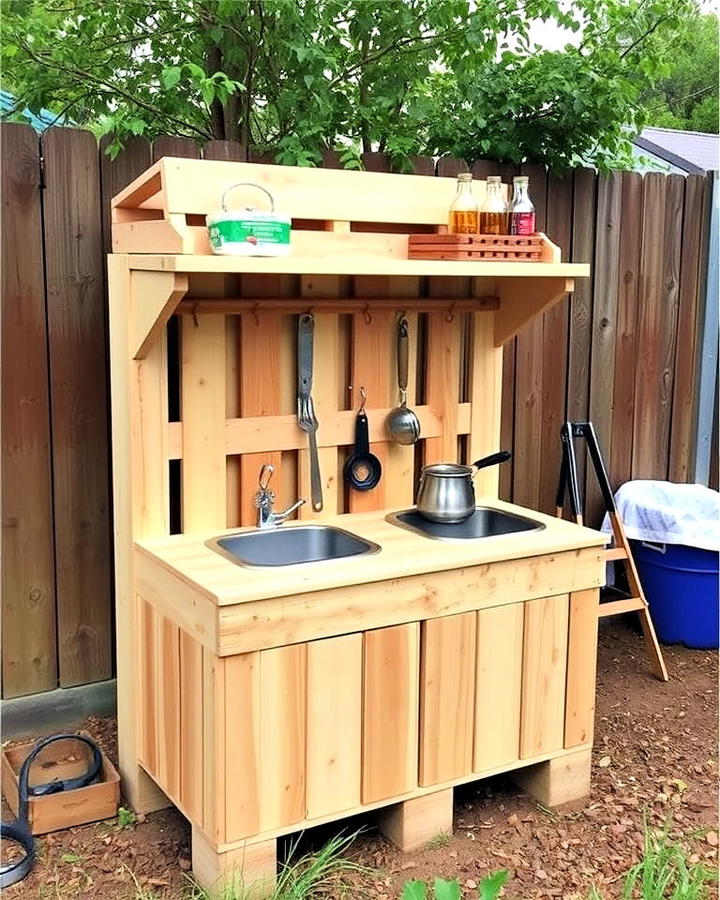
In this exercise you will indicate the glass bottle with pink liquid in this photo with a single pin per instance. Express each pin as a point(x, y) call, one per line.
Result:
point(521, 210)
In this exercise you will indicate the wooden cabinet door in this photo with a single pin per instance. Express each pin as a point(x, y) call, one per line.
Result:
point(391, 664)
point(447, 690)
point(498, 682)
point(545, 647)
point(334, 719)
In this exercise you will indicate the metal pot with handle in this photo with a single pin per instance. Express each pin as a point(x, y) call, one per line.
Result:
point(446, 492)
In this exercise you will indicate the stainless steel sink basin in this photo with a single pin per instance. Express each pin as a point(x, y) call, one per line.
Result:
point(291, 546)
point(485, 522)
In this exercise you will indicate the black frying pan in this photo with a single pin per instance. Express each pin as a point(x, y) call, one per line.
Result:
point(362, 469)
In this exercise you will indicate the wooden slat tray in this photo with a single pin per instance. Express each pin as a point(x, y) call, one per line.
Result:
point(514, 248)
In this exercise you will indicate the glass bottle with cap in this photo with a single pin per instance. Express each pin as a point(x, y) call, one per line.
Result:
point(493, 215)
point(521, 209)
point(464, 212)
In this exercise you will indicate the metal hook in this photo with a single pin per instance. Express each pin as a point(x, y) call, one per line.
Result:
point(450, 313)
point(256, 314)
point(196, 321)
point(363, 400)
point(366, 314)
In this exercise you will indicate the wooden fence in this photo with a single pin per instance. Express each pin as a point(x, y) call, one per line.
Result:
point(621, 351)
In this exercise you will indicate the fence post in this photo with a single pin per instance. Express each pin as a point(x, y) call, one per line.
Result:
point(708, 359)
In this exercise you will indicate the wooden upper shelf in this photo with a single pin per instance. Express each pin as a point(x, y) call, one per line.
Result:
point(343, 223)
point(356, 264)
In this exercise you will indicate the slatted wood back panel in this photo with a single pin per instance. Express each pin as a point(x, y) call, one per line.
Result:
point(238, 397)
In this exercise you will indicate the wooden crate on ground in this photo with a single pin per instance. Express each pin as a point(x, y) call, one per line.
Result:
point(63, 759)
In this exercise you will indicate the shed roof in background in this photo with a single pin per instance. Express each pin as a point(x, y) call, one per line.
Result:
point(693, 152)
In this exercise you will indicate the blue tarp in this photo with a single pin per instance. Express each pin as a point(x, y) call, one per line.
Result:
point(39, 122)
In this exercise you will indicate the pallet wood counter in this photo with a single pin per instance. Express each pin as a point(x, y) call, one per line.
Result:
point(263, 700)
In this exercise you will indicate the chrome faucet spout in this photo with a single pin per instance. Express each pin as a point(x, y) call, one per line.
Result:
point(264, 500)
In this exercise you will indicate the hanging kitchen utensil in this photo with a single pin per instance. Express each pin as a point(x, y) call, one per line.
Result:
point(402, 423)
point(305, 409)
point(446, 492)
point(362, 469)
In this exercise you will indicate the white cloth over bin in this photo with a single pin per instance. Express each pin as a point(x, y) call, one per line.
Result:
point(666, 513)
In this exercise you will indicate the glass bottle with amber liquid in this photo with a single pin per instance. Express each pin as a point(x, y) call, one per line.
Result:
point(464, 211)
point(493, 215)
point(521, 209)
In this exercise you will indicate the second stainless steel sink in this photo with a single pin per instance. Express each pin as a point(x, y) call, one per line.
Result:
point(485, 522)
point(291, 546)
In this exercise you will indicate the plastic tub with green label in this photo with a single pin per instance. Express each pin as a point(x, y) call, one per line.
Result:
point(247, 232)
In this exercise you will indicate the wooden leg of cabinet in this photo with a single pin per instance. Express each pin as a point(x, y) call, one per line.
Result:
point(248, 871)
point(413, 823)
point(140, 791)
point(560, 780)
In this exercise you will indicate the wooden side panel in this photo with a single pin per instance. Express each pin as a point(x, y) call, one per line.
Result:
point(390, 711)
point(334, 719)
point(283, 686)
point(542, 722)
point(78, 349)
point(29, 655)
point(204, 499)
point(581, 668)
point(243, 759)
point(498, 686)
point(191, 726)
point(447, 672)
point(148, 695)
point(168, 712)
point(215, 779)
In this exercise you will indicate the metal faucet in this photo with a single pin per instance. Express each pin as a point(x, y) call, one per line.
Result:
point(265, 498)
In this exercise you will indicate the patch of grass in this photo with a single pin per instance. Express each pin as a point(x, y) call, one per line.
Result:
point(315, 875)
point(665, 872)
point(441, 839)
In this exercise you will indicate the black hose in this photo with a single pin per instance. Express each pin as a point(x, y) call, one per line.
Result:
point(19, 832)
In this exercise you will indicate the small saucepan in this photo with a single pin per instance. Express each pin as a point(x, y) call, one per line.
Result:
point(446, 493)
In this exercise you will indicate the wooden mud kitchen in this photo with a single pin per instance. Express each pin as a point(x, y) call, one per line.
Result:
point(272, 676)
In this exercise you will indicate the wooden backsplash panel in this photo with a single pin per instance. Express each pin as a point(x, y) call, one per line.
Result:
point(240, 369)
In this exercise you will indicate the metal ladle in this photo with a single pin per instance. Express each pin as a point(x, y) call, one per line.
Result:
point(402, 423)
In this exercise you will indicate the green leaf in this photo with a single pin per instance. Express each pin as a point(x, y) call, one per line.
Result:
point(414, 890)
point(446, 890)
point(71, 858)
point(171, 76)
point(490, 885)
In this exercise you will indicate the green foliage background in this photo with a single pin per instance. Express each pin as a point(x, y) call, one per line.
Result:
point(405, 77)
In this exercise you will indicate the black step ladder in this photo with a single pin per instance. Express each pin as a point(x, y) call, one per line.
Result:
point(613, 601)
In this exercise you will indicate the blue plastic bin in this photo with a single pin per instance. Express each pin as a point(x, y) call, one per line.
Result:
point(681, 586)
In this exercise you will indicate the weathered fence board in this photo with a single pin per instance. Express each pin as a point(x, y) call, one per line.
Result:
point(620, 351)
point(78, 354)
point(29, 655)
point(684, 389)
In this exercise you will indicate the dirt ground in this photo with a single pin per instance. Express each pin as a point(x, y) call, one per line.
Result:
point(655, 756)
